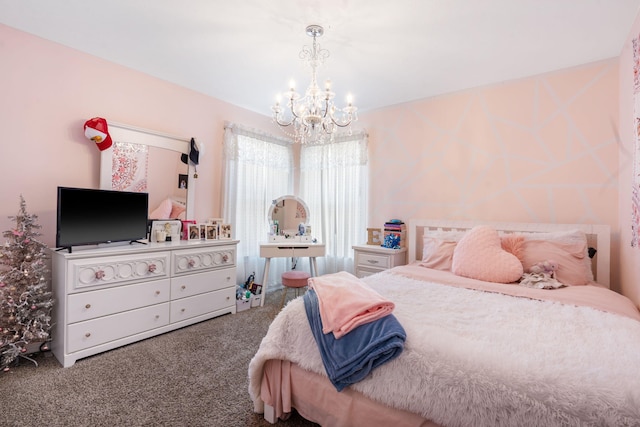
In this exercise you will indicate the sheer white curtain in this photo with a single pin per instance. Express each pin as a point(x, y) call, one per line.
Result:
point(334, 184)
point(258, 168)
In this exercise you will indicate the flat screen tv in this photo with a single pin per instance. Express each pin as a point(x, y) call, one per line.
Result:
point(89, 217)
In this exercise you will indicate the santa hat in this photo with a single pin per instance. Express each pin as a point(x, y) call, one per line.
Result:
point(96, 130)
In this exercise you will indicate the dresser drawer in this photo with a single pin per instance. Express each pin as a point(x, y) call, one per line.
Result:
point(194, 260)
point(115, 270)
point(366, 259)
point(189, 307)
point(91, 304)
point(94, 332)
point(194, 284)
point(366, 271)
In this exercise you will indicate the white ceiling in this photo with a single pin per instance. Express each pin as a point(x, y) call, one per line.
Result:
point(383, 52)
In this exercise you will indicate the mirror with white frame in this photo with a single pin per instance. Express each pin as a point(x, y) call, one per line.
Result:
point(166, 182)
point(288, 212)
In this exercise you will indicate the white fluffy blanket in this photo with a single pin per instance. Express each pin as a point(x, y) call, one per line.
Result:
point(476, 358)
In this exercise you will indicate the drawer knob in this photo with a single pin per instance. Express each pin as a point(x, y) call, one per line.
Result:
point(372, 261)
point(152, 268)
point(157, 292)
point(88, 334)
point(157, 316)
point(192, 262)
point(88, 306)
point(225, 258)
point(99, 274)
point(183, 310)
point(183, 287)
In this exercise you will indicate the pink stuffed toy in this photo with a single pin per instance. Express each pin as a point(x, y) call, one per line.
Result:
point(548, 268)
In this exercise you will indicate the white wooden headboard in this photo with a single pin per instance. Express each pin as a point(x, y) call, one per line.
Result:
point(598, 237)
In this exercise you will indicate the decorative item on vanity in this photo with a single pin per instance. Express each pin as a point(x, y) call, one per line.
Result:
point(25, 299)
point(314, 117)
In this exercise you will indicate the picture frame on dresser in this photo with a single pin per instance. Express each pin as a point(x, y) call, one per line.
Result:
point(211, 232)
point(194, 232)
point(225, 231)
point(172, 228)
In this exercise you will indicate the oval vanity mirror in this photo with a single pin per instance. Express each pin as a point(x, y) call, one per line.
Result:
point(288, 212)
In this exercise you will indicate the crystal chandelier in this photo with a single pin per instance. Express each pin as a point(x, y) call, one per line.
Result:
point(313, 118)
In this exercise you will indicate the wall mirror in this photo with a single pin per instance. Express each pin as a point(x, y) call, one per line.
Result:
point(154, 161)
point(290, 212)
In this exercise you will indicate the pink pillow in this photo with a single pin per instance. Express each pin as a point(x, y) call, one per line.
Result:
point(571, 268)
point(479, 255)
point(163, 211)
point(568, 249)
point(176, 210)
point(437, 248)
point(513, 244)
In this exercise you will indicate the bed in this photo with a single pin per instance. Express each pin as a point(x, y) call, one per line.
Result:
point(477, 352)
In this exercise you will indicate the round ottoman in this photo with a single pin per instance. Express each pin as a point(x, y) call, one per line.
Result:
point(293, 279)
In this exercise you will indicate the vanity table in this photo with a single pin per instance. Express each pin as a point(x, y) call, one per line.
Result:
point(286, 215)
point(286, 249)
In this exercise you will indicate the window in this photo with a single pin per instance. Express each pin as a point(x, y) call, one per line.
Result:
point(334, 184)
point(258, 169)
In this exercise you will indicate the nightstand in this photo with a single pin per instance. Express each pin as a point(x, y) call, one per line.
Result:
point(371, 259)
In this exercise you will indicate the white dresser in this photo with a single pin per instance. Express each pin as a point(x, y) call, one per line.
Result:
point(109, 297)
point(371, 259)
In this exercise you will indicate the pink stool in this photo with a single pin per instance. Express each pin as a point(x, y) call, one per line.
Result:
point(293, 279)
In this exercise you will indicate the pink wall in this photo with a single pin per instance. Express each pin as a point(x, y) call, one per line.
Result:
point(536, 149)
point(540, 149)
point(47, 91)
point(629, 257)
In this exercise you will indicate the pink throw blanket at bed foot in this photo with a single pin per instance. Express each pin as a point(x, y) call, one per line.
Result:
point(345, 302)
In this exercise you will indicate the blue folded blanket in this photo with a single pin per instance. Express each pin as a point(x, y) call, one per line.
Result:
point(351, 358)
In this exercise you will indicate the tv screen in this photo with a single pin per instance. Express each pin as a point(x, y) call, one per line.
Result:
point(88, 217)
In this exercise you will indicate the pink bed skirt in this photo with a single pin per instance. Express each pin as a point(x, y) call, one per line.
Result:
point(285, 386)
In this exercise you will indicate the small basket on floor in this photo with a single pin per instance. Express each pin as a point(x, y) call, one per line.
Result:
point(295, 280)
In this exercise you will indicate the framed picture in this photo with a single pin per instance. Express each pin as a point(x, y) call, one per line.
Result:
point(225, 231)
point(194, 232)
point(185, 228)
point(211, 231)
point(165, 230)
point(203, 231)
point(183, 181)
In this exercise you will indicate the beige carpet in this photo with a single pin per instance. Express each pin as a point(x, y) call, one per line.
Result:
point(195, 376)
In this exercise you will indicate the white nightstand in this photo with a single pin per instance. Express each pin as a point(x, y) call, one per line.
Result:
point(371, 259)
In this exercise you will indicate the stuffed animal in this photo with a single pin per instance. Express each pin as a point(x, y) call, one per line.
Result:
point(548, 268)
point(541, 275)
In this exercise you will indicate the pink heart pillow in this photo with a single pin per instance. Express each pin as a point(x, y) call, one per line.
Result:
point(479, 255)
